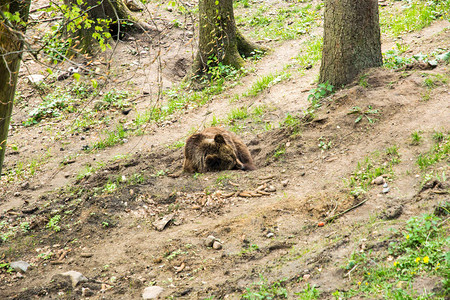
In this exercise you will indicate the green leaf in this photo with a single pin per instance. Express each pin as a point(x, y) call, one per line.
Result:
point(49, 71)
point(94, 83)
point(444, 57)
point(76, 76)
point(358, 119)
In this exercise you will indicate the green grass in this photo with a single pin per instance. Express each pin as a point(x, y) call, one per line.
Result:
point(416, 138)
point(53, 223)
point(412, 16)
point(420, 252)
point(287, 23)
point(364, 114)
point(371, 167)
point(311, 52)
point(265, 82)
point(113, 137)
point(240, 113)
point(265, 290)
point(279, 151)
point(439, 152)
point(308, 293)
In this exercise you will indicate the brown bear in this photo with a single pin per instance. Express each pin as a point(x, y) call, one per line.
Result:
point(216, 149)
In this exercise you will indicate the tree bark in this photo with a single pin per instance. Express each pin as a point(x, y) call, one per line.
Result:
point(11, 45)
point(351, 41)
point(114, 10)
point(219, 39)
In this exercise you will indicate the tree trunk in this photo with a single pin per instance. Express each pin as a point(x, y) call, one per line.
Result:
point(351, 41)
point(11, 46)
point(219, 39)
point(113, 10)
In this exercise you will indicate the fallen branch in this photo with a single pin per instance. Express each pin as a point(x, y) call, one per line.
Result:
point(329, 219)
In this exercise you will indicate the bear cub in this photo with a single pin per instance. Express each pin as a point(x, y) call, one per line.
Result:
point(216, 149)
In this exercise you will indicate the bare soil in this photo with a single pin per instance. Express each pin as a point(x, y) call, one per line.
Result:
point(112, 239)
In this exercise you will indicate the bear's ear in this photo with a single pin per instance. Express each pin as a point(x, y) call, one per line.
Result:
point(219, 139)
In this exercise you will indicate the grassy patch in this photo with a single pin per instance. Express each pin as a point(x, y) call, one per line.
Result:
point(311, 52)
point(412, 16)
point(264, 290)
point(112, 138)
point(418, 253)
point(265, 82)
point(371, 167)
point(285, 23)
point(440, 151)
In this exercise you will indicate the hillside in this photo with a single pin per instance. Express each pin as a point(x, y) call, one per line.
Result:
point(90, 179)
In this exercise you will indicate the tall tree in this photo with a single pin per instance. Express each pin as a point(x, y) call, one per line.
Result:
point(219, 39)
point(13, 15)
point(351, 41)
point(94, 20)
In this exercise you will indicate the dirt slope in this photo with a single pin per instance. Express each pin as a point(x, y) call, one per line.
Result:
point(108, 233)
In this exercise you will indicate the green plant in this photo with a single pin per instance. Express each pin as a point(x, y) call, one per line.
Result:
point(238, 114)
point(279, 151)
point(308, 293)
point(174, 254)
point(439, 151)
point(364, 113)
point(53, 223)
point(114, 98)
point(25, 226)
point(322, 90)
point(416, 138)
point(110, 187)
point(112, 138)
point(371, 167)
point(414, 16)
point(265, 82)
point(264, 290)
point(53, 105)
point(438, 136)
point(86, 172)
point(177, 145)
point(222, 179)
point(323, 144)
point(5, 266)
point(311, 52)
point(363, 80)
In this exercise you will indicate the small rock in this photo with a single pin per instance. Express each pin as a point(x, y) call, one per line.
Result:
point(162, 223)
point(386, 190)
point(17, 194)
point(306, 277)
point(152, 292)
point(378, 181)
point(209, 241)
point(392, 212)
point(75, 277)
point(35, 78)
point(285, 183)
point(86, 255)
point(86, 292)
point(217, 245)
point(189, 34)
point(270, 234)
point(385, 185)
point(270, 189)
point(19, 266)
point(25, 185)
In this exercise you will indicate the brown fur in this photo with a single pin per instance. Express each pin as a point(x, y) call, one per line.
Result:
point(216, 149)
